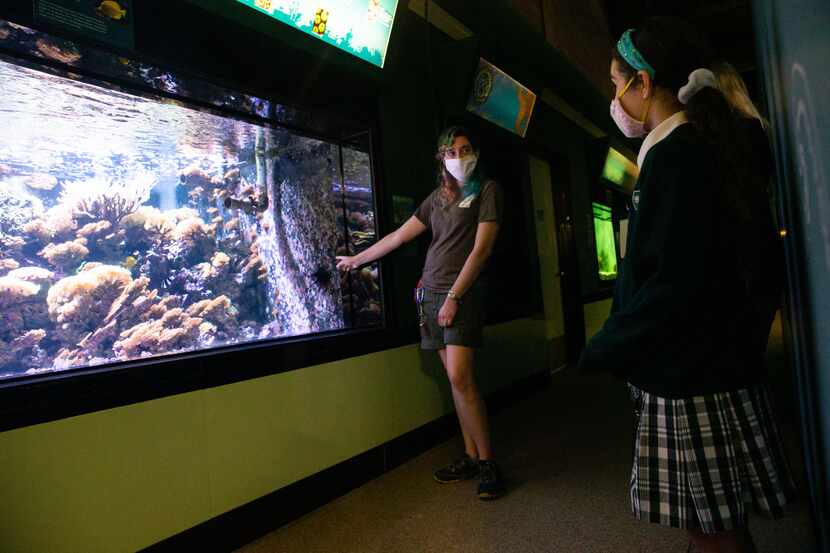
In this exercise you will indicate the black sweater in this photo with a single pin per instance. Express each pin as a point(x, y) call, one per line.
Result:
point(682, 321)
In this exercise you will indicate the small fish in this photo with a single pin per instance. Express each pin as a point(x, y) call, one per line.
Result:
point(321, 19)
point(129, 262)
point(111, 9)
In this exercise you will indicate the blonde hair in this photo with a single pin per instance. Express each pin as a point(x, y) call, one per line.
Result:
point(734, 89)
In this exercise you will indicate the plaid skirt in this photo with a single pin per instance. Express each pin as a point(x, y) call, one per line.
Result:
point(700, 462)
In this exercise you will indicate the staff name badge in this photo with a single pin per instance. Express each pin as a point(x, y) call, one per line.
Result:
point(466, 202)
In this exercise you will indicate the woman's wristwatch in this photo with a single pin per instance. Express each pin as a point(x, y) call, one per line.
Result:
point(453, 296)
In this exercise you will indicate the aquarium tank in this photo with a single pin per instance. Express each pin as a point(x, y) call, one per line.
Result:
point(136, 222)
point(605, 241)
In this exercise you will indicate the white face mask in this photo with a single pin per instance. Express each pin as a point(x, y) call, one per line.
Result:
point(461, 168)
point(630, 127)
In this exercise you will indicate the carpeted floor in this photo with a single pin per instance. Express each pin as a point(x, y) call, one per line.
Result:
point(566, 452)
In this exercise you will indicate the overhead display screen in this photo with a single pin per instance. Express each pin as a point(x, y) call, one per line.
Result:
point(360, 27)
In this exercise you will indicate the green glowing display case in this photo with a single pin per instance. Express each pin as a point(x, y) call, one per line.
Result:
point(605, 242)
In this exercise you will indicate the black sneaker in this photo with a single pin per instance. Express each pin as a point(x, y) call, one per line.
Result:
point(491, 485)
point(460, 469)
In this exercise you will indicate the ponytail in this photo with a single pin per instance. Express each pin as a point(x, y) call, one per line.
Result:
point(710, 113)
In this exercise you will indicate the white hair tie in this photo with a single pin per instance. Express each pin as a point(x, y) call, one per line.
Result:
point(698, 79)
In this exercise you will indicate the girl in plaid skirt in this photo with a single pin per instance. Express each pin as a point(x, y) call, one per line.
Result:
point(692, 307)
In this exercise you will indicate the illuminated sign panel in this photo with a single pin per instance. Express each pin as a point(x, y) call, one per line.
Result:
point(500, 99)
point(360, 27)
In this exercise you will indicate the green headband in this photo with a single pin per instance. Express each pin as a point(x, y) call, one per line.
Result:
point(629, 53)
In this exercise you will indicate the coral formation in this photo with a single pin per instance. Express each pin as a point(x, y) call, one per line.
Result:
point(109, 200)
point(79, 303)
point(8, 264)
point(36, 275)
point(67, 255)
point(124, 257)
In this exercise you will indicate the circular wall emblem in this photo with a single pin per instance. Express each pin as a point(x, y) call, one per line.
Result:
point(483, 85)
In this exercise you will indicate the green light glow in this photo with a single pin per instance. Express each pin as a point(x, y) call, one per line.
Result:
point(619, 169)
point(606, 243)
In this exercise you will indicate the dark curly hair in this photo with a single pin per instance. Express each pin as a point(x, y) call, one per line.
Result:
point(450, 191)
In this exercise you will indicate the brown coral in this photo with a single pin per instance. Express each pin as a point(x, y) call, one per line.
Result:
point(14, 291)
point(195, 237)
point(40, 230)
point(28, 340)
point(94, 229)
point(128, 310)
point(66, 255)
point(8, 264)
point(173, 331)
point(79, 303)
point(104, 242)
point(11, 245)
point(220, 261)
point(57, 223)
point(218, 311)
point(21, 306)
point(135, 298)
point(148, 224)
point(89, 266)
point(158, 310)
point(35, 275)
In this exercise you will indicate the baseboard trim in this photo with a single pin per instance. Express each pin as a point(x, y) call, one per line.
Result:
point(240, 526)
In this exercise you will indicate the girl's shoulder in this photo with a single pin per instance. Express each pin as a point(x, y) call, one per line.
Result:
point(490, 185)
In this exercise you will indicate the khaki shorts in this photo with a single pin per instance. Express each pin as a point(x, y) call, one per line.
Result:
point(466, 329)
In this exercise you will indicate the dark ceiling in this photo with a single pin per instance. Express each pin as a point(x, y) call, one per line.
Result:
point(727, 23)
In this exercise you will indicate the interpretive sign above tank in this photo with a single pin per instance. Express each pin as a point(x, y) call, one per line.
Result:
point(360, 27)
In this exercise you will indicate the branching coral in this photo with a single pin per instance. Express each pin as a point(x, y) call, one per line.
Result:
point(109, 200)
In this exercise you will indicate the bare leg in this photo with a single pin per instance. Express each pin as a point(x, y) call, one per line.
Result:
point(733, 541)
point(469, 443)
point(468, 403)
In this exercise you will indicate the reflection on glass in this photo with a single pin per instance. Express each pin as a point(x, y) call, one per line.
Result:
point(606, 245)
point(619, 169)
point(133, 227)
point(364, 286)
